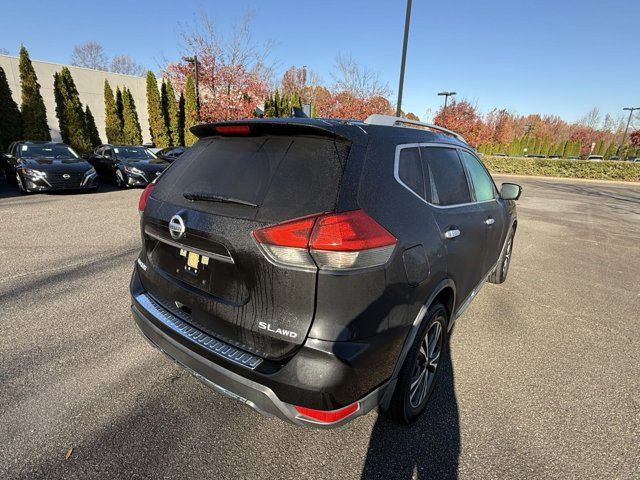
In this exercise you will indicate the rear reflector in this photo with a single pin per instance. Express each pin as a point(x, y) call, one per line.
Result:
point(327, 416)
point(332, 241)
point(234, 129)
point(146, 193)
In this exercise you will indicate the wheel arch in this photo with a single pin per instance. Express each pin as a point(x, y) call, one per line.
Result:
point(445, 293)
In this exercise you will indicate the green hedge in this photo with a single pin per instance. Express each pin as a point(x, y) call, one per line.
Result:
point(547, 167)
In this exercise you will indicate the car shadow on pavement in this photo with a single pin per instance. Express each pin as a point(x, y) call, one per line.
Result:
point(427, 449)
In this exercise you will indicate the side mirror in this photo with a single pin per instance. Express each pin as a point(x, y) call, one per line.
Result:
point(510, 191)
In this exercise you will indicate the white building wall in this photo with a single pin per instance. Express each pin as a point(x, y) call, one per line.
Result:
point(90, 85)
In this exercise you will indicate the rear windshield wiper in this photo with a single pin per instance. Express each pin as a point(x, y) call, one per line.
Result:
point(210, 197)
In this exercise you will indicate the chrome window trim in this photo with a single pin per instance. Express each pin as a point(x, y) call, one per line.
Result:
point(396, 173)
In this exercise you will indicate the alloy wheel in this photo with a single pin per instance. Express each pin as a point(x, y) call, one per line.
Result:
point(424, 370)
point(507, 256)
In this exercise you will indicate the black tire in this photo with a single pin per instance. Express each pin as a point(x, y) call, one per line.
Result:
point(499, 275)
point(410, 398)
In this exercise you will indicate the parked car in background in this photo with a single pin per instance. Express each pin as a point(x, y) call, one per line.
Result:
point(170, 153)
point(313, 269)
point(47, 166)
point(500, 154)
point(127, 165)
point(554, 156)
point(595, 158)
point(614, 158)
point(633, 159)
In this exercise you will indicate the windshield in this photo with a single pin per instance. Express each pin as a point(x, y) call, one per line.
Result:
point(47, 151)
point(133, 153)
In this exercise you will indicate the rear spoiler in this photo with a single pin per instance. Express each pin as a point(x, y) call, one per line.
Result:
point(336, 130)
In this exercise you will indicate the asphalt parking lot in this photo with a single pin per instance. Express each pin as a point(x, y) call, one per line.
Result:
point(544, 378)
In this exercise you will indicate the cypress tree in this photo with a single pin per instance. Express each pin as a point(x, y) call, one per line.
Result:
point(113, 126)
point(269, 106)
point(120, 107)
point(610, 150)
point(92, 130)
point(157, 126)
point(58, 93)
point(190, 111)
point(131, 128)
point(72, 114)
point(10, 118)
point(181, 120)
point(599, 150)
point(34, 113)
point(170, 107)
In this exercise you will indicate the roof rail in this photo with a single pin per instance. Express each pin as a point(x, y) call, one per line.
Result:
point(391, 121)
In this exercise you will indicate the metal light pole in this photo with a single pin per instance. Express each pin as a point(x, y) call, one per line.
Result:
point(404, 56)
point(624, 136)
point(446, 97)
point(194, 61)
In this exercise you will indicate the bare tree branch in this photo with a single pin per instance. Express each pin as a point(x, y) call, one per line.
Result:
point(89, 55)
point(126, 65)
point(359, 81)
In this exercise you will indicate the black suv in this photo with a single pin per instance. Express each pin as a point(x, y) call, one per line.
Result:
point(127, 165)
point(46, 166)
point(312, 269)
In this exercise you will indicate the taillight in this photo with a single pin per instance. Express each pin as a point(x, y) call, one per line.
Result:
point(332, 241)
point(146, 193)
point(327, 416)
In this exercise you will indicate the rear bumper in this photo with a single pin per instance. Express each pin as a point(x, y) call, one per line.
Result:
point(262, 392)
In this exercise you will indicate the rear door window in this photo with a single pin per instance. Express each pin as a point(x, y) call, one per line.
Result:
point(449, 181)
point(286, 176)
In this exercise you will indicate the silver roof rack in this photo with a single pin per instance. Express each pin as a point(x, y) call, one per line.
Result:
point(391, 121)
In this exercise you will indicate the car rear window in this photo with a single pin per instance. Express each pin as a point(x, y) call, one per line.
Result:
point(285, 176)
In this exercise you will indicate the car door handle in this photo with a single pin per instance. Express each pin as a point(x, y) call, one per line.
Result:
point(489, 221)
point(452, 233)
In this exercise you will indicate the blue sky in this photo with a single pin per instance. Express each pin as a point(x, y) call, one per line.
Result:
point(557, 57)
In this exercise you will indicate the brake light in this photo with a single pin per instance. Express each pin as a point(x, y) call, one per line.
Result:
point(289, 234)
point(327, 416)
point(146, 193)
point(349, 231)
point(234, 129)
point(332, 241)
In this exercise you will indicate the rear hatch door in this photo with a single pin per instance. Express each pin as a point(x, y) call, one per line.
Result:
point(214, 274)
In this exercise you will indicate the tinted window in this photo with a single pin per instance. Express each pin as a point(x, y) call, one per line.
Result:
point(47, 150)
point(482, 183)
point(133, 153)
point(448, 178)
point(410, 170)
point(286, 176)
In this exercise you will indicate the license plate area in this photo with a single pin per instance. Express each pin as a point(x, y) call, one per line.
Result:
point(208, 274)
